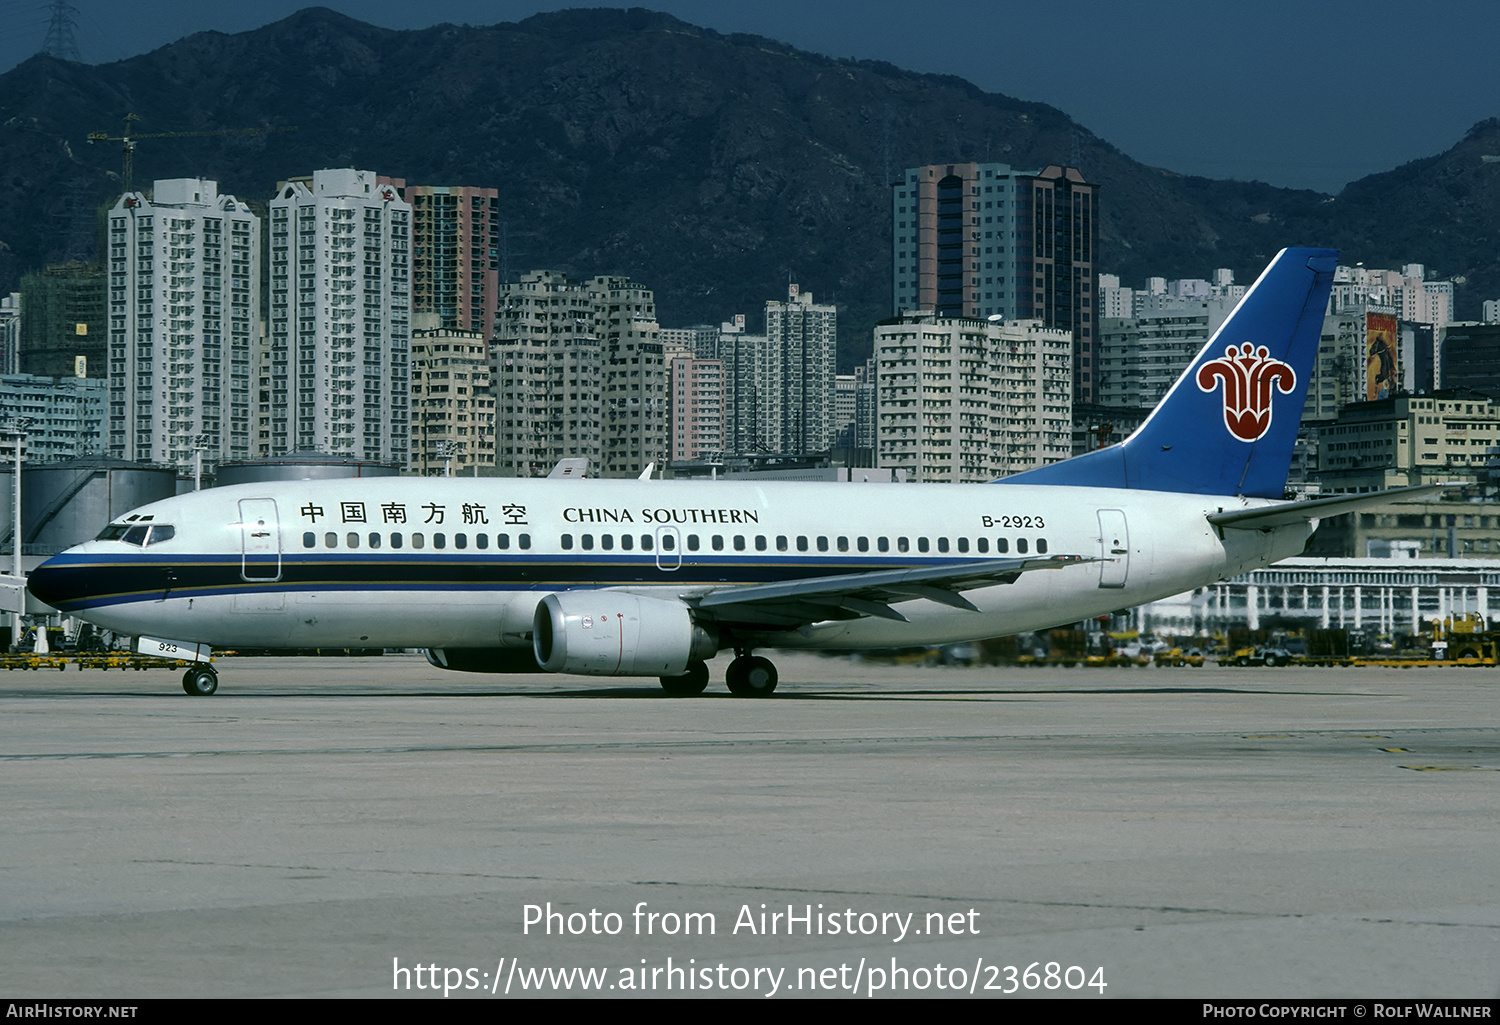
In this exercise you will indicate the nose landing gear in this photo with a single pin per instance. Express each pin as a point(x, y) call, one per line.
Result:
point(200, 681)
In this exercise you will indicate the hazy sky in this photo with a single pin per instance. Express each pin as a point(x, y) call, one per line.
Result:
point(1303, 93)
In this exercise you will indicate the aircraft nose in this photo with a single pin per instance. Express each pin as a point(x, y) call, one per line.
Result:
point(60, 583)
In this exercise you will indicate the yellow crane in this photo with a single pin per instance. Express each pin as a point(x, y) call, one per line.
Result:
point(129, 139)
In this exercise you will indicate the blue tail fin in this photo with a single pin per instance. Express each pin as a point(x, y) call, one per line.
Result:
point(1228, 425)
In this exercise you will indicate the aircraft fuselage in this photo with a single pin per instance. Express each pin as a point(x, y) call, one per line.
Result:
point(462, 562)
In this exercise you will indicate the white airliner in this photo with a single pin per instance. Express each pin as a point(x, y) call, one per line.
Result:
point(654, 578)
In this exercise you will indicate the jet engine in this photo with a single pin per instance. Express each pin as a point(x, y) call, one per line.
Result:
point(614, 633)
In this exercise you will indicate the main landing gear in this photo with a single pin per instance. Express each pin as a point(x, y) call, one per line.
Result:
point(200, 681)
point(748, 676)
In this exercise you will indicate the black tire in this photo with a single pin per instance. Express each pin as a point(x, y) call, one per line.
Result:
point(200, 682)
point(1271, 659)
point(689, 683)
point(751, 677)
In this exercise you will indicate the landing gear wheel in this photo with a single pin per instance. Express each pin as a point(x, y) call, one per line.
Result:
point(689, 683)
point(200, 681)
point(751, 676)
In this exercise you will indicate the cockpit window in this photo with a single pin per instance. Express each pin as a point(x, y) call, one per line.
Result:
point(139, 534)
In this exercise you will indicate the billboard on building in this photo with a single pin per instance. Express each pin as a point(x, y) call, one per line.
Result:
point(1381, 380)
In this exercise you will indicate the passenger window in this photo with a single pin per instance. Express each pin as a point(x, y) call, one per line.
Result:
point(822, 543)
point(1020, 546)
point(567, 543)
point(627, 541)
point(942, 543)
point(883, 544)
point(607, 542)
point(309, 540)
point(963, 544)
point(439, 541)
point(739, 542)
point(1041, 546)
point(502, 541)
point(692, 542)
point(921, 544)
point(374, 540)
point(417, 540)
point(330, 540)
point(395, 540)
point(760, 542)
point(460, 540)
point(588, 542)
point(668, 542)
point(646, 542)
point(481, 541)
point(525, 541)
point(351, 539)
point(1001, 545)
point(983, 544)
point(801, 542)
point(903, 545)
point(862, 543)
point(843, 544)
point(718, 542)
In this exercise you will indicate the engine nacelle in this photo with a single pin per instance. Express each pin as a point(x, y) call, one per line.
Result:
point(613, 633)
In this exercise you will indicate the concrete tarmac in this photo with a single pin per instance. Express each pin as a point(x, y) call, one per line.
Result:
point(376, 827)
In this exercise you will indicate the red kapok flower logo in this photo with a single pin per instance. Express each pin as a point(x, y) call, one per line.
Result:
point(1249, 375)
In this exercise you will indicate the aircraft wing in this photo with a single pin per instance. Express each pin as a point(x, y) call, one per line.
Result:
point(1316, 508)
point(794, 602)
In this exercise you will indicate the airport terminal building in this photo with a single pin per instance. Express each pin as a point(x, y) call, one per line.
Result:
point(1387, 596)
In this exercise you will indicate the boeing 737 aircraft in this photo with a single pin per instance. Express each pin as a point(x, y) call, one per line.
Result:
point(654, 578)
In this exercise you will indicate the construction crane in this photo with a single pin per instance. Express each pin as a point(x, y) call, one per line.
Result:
point(129, 139)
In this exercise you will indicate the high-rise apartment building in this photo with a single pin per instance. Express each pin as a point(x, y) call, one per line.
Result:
point(340, 317)
point(64, 320)
point(854, 403)
point(635, 376)
point(455, 254)
point(697, 396)
point(66, 414)
point(579, 371)
point(804, 337)
point(751, 373)
point(1406, 293)
point(183, 269)
point(10, 333)
point(966, 400)
point(780, 385)
point(981, 240)
point(1141, 356)
point(452, 404)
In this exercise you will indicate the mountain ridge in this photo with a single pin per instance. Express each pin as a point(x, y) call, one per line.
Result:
point(711, 168)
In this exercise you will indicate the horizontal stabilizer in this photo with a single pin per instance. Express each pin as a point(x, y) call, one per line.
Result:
point(1290, 513)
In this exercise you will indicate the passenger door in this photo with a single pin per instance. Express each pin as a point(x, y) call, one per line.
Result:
point(260, 534)
point(1114, 548)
